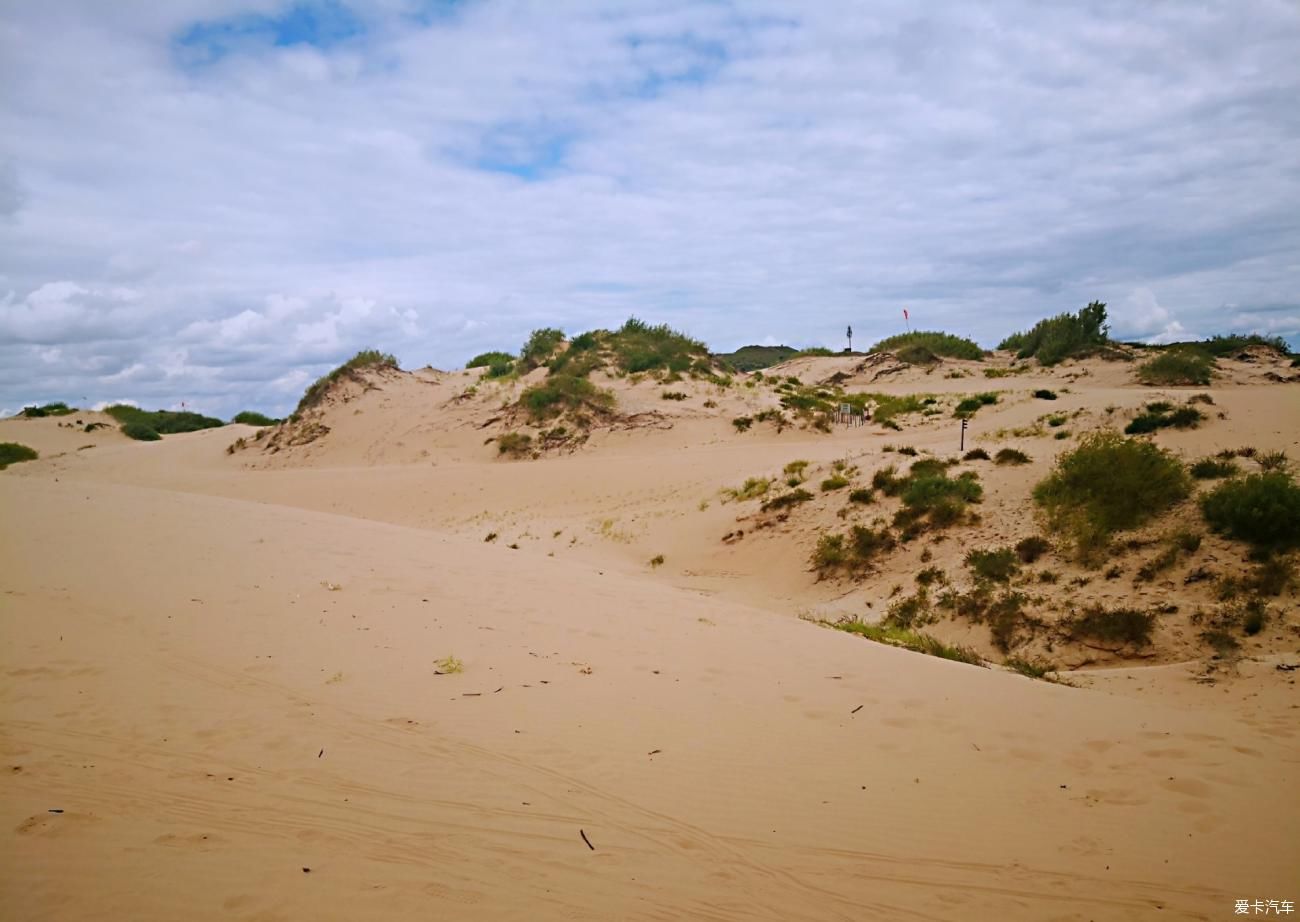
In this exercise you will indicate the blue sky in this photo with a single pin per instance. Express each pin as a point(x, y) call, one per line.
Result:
point(215, 201)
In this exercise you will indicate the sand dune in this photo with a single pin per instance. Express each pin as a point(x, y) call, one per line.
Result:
point(221, 694)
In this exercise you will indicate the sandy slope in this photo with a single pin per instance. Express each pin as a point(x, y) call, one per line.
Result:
point(173, 668)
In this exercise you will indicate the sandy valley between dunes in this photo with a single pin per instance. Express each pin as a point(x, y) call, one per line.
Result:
point(218, 705)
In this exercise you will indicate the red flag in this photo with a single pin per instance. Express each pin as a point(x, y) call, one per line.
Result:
point(905, 317)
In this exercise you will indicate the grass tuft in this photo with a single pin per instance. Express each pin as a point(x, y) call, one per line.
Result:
point(16, 453)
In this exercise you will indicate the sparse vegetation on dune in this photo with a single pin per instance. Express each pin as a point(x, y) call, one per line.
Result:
point(488, 359)
point(1126, 626)
point(908, 639)
point(1107, 484)
point(752, 488)
point(929, 343)
point(1226, 345)
point(1214, 469)
point(1161, 415)
point(968, 406)
point(1064, 336)
point(1177, 366)
point(58, 408)
point(754, 358)
point(1012, 456)
point(788, 500)
point(15, 453)
point(365, 359)
point(558, 394)
point(146, 425)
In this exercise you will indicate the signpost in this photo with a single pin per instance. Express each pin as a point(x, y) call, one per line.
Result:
point(963, 436)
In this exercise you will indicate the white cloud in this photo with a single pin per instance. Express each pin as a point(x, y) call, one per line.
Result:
point(439, 189)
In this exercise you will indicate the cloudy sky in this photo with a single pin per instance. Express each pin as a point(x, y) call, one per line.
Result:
point(213, 201)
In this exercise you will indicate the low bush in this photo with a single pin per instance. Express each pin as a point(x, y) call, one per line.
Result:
point(997, 565)
point(1163, 416)
point(162, 422)
point(487, 359)
point(1118, 625)
point(752, 488)
point(1260, 509)
point(560, 393)
point(1045, 394)
point(252, 418)
point(540, 346)
point(1177, 367)
point(1271, 460)
point(862, 495)
point(1011, 456)
point(516, 444)
point(834, 482)
point(1031, 548)
point(1213, 469)
point(1063, 336)
point(976, 454)
point(935, 343)
point(853, 551)
point(673, 395)
point(15, 453)
point(1108, 484)
point(967, 407)
point(742, 423)
point(58, 408)
point(786, 500)
point(140, 432)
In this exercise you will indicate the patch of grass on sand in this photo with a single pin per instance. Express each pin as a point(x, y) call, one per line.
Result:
point(15, 453)
point(1177, 367)
point(253, 418)
point(908, 639)
point(58, 408)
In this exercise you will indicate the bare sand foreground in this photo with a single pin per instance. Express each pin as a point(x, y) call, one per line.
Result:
point(219, 699)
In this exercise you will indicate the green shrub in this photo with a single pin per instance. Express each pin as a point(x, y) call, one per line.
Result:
point(1011, 456)
point(163, 422)
point(252, 418)
point(1213, 469)
point(14, 453)
point(786, 500)
point(916, 355)
point(488, 359)
point(140, 432)
point(742, 423)
point(1063, 336)
point(834, 482)
point(1108, 484)
point(862, 495)
point(560, 393)
point(967, 406)
point(1176, 367)
point(998, 565)
point(673, 395)
point(1045, 394)
point(830, 554)
point(1119, 625)
point(934, 343)
point(58, 408)
point(539, 348)
point(1164, 416)
point(1273, 576)
point(1031, 548)
point(500, 369)
point(976, 454)
point(1261, 509)
point(515, 444)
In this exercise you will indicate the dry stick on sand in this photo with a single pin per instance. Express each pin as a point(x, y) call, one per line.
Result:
point(585, 839)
